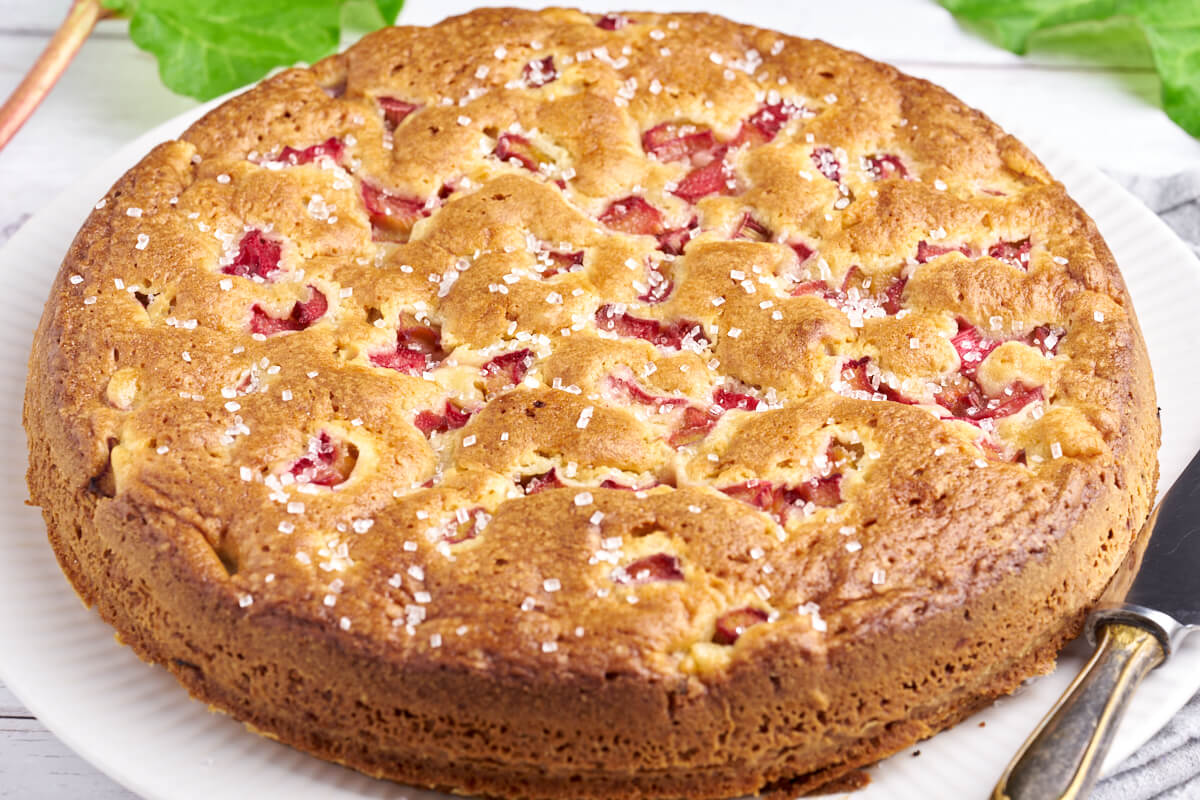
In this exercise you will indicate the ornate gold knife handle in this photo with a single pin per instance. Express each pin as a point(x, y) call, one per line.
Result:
point(1062, 758)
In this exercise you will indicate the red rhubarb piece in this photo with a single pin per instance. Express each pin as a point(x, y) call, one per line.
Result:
point(609, 483)
point(392, 216)
point(659, 286)
point(927, 252)
point(778, 501)
point(883, 166)
point(855, 374)
point(972, 347)
point(395, 110)
point(810, 287)
point(713, 178)
point(694, 426)
point(1045, 338)
point(963, 398)
point(672, 141)
point(752, 229)
point(511, 147)
point(628, 391)
point(451, 419)
point(633, 215)
point(673, 241)
point(555, 262)
point(758, 493)
point(613, 22)
point(765, 124)
point(330, 148)
point(1011, 401)
point(827, 163)
point(465, 525)
point(507, 369)
point(456, 417)
point(301, 316)
point(891, 295)
point(671, 334)
point(418, 348)
point(732, 624)
point(803, 251)
point(650, 569)
point(1014, 253)
point(532, 484)
point(327, 463)
point(825, 492)
point(729, 400)
point(539, 72)
point(257, 256)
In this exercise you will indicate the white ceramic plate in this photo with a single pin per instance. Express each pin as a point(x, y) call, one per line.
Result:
point(135, 723)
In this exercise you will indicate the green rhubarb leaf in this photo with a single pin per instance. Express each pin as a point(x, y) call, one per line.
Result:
point(389, 10)
point(208, 47)
point(1164, 34)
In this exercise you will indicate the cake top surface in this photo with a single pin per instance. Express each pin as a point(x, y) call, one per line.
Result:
point(615, 343)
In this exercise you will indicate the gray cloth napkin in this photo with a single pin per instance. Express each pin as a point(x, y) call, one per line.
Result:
point(1168, 766)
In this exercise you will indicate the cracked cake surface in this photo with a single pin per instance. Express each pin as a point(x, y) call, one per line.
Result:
point(544, 404)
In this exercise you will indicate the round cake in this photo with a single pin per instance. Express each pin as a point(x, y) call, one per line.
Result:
point(552, 405)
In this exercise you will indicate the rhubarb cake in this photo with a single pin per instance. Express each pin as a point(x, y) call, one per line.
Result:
point(553, 405)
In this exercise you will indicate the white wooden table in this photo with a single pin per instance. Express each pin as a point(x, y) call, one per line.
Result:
point(1106, 115)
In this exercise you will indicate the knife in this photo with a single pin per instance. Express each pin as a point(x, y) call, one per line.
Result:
point(1062, 757)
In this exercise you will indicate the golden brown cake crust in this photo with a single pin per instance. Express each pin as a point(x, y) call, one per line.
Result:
point(544, 405)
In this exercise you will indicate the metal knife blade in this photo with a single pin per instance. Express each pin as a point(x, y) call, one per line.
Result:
point(1165, 593)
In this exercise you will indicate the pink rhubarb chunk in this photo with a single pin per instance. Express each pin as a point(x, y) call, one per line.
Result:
point(392, 216)
point(659, 286)
point(669, 334)
point(327, 463)
point(672, 141)
point(465, 525)
point(532, 484)
point(750, 228)
point(395, 110)
point(628, 391)
point(257, 256)
point(613, 22)
point(507, 369)
point(418, 349)
point(451, 419)
point(539, 72)
point(1014, 253)
point(331, 148)
point(511, 147)
point(633, 215)
point(927, 252)
point(730, 400)
point(827, 163)
point(301, 316)
point(651, 569)
point(781, 501)
point(695, 424)
point(765, 124)
point(883, 166)
point(854, 373)
point(673, 241)
point(712, 178)
point(732, 624)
